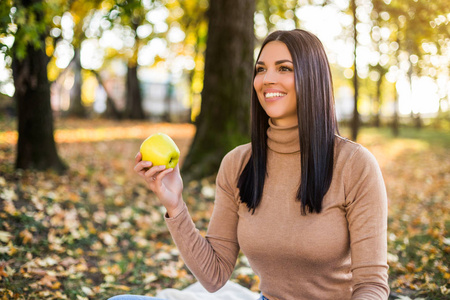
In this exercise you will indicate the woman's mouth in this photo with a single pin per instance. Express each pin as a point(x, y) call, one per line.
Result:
point(273, 96)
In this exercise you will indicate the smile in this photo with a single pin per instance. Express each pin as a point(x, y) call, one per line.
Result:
point(274, 95)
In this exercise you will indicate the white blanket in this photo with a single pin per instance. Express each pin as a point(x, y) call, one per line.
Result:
point(230, 291)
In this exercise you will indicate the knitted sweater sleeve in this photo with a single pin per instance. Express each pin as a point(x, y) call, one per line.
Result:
point(366, 208)
point(211, 259)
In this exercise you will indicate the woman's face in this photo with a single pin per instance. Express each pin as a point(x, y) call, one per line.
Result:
point(274, 84)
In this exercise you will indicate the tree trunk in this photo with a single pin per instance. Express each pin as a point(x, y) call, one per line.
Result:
point(76, 108)
point(168, 102)
point(111, 111)
point(355, 120)
point(134, 108)
point(416, 117)
point(395, 120)
point(36, 147)
point(223, 122)
point(378, 101)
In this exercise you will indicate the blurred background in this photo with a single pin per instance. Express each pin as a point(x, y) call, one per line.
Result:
point(82, 83)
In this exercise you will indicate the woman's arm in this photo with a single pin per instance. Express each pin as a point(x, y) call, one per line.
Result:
point(366, 207)
point(211, 259)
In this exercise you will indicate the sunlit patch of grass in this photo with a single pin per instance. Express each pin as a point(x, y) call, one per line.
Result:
point(109, 133)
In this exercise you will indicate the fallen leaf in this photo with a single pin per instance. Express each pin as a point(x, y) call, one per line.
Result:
point(5, 236)
point(26, 236)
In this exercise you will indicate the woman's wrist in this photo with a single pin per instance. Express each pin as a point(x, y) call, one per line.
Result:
point(173, 211)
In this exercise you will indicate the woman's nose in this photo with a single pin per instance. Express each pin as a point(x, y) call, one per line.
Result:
point(270, 77)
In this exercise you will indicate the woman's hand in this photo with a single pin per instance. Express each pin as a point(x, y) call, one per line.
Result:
point(165, 183)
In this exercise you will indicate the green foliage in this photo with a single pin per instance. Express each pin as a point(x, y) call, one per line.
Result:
point(29, 24)
point(413, 23)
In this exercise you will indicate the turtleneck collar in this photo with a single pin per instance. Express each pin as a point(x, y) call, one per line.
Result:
point(283, 139)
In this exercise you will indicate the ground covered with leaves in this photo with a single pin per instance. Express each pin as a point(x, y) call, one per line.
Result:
point(96, 231)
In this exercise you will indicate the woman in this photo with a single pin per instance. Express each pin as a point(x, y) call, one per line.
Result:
point(307, 207)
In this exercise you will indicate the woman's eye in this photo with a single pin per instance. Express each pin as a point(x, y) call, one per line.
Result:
point(285, 69)
point(259, 69)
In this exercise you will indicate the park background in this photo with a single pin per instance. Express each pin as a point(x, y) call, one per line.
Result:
point(82, 83)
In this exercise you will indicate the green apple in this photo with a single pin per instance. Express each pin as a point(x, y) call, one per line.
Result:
point(160, 149)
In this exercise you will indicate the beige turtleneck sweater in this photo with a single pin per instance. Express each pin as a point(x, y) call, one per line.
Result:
point(339, 253)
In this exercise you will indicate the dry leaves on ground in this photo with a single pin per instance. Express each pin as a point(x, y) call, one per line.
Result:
point(96, 231)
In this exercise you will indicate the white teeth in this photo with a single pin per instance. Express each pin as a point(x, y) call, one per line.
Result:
point(272, 95)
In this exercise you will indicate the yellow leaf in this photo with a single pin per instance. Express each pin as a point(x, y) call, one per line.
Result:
point(4, 249)
point(149, 277)
point(56, 285)
point(169, 271)
point(49, 281)
point(2, 272)
point(9, 207)
point(255, 285)
point(108, 239)
point(87, 291)
point(8, 195)
point(5, 236)
point(12, 249)
point(123, 287)
point(26, 236)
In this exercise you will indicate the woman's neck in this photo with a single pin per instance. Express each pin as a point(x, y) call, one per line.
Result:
point(283, 139)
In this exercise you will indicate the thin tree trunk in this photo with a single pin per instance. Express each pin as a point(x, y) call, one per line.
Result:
point(168, 102)
point(417, 119)
point(111, 111)
point(223, 122)
point(76, 108)
point(355, 120)
point(395, 120)
point(134, 109)
point(36, 147)
point(378, 102)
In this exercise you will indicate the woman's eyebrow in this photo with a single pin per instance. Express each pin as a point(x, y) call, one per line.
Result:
point(278, 62)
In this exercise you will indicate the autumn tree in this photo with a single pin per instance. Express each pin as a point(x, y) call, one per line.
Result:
point(78, 10)
point(418, 38)
point(131, 15)
point(280, 10)
point(223, 122)
point(28, 22)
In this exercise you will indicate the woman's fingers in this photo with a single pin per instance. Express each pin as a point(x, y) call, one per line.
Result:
point(141, 167)
point(163, 173)
point(151, 174)
point(138, 157)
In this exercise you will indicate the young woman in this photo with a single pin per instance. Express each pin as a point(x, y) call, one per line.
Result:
point(307, 207)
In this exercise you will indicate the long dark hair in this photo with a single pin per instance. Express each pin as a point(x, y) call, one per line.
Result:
point(317, 125)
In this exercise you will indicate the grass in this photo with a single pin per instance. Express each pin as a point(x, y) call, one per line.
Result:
point(96, 231)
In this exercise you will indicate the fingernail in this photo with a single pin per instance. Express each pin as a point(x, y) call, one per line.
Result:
point(148, 163)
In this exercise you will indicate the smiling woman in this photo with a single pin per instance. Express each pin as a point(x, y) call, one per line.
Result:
point(307, 207)
point(274, 84)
